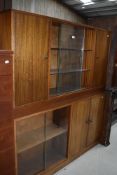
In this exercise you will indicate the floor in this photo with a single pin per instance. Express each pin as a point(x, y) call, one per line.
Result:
point(98, 161)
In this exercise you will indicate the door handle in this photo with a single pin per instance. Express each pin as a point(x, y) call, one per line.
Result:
point(46, 57)
point(6, 61)
point(90, 121)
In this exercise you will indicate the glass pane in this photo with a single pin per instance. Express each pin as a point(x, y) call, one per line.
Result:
point(67, 64)
point(70, 60)
point(71, 37)
point(30, 143)
point(56, 133)
point(69, 82)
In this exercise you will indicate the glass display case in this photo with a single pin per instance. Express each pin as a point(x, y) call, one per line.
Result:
point(67, 67)
point(38, 141)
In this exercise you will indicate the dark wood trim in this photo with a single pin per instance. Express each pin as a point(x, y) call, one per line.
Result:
point(105, 138)
point(6, 52)
point(41, 106)
point(58, 20)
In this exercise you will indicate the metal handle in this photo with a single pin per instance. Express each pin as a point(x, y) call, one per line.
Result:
point(90, 121)
point(6, 61)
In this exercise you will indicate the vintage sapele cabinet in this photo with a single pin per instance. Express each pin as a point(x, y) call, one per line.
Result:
point(52, 80)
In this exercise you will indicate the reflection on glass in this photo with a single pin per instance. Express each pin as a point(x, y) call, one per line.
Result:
point(30, 145)
point(56, 123)
point(66, 65)
point(38, 141)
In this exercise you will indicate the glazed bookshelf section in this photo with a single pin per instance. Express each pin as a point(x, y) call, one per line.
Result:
point(68, 67)
point(38, 141)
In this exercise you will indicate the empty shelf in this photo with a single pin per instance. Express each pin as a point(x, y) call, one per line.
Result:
point(59, 91)
point(56, 71)
point(70, 49)
point(35, 137)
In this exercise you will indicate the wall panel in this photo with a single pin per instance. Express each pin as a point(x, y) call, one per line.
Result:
point(50, 8)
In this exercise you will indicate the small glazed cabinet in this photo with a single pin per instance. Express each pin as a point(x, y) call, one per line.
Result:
point(51, 91)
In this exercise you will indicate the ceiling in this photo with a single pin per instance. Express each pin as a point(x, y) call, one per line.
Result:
point(99, 8)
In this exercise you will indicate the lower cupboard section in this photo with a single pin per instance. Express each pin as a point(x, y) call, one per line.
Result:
point(47, 141)
point(41, 141)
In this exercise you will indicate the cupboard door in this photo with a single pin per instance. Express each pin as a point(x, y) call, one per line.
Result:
point(79, 126)
point(95, 119)
point(31, 35)
point(102, 46)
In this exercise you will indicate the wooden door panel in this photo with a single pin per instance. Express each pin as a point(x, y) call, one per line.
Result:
point(89, 54)
point(79, 126)
point(95, 119)
point(31, 53)
point(101, 58)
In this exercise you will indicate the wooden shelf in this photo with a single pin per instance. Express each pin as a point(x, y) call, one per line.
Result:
point(70, 49)
point(56, 92)
point(56, 71)
point(35, 137)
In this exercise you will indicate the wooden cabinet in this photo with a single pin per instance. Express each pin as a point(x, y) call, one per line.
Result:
point(51, 58)
point(55, 57)
point(86, 124)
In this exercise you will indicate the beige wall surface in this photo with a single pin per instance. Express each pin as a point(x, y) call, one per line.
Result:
point(52, 8)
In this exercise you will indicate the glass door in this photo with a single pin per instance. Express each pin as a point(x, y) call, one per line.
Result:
point(56, 136)
point(41, 140)
point(30, 144)
point(67, 53)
